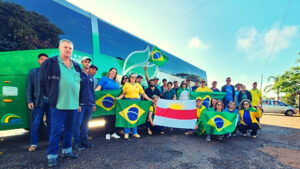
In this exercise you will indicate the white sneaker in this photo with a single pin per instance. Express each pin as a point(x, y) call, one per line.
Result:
point(115, 136)
point(107, 136)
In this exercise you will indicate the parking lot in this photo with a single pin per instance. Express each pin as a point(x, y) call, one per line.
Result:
point(277, 146)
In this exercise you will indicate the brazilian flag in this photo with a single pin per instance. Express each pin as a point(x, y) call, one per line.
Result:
point(217, 123)
point(106, 102)
point(131, 113)
point(157, 57)
point(207, 96)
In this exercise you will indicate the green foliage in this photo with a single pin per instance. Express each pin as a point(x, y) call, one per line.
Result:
point(188, 76)
point(290, 99)
point(288, 83)
point(22, 30)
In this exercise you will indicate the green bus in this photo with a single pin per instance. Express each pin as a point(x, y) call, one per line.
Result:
point(31, 27)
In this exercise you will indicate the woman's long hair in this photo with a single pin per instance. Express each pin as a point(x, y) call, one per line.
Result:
point(241, 106)
point(219, 101)
point(123, 77)
point(211, 102)
point(116, 73)
point(182, 84)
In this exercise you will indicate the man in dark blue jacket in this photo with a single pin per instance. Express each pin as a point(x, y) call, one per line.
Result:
point(60, 81)
point(37, 103)
point(230, 92)
point(86, 106)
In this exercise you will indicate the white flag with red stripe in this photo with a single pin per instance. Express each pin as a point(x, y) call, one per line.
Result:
point(176, 113)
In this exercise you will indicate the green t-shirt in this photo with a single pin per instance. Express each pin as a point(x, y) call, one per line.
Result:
point(244, 96)
point(69, 86)
point(169, 94)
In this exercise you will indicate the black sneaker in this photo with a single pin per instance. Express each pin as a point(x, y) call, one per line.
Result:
point(88, 145)
point(52, 162)
point(69, 155)
point(79, 147)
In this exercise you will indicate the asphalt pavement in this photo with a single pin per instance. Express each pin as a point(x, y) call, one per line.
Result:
point(275, 147)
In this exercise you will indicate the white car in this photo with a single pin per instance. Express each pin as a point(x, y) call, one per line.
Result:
point(274, 106)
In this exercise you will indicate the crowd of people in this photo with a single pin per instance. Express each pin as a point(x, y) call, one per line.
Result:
point(66, 93)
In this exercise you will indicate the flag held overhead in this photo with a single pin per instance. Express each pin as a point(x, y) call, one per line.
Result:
point(157, 57)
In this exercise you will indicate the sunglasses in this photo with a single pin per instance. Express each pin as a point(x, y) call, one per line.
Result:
point(125, 78)
point(203, 82)
point(183, 83)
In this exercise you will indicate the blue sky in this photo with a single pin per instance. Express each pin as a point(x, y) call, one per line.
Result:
point(240, 39)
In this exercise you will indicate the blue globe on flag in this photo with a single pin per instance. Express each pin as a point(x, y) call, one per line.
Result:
point(219, 122)
point(156, 55)
point(108, 102)
point(132, 113)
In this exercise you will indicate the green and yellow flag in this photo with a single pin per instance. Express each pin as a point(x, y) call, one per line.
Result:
point(131, 113)
point(217, 123)
point(207, 96)
point(157, 57)
point(106, 102)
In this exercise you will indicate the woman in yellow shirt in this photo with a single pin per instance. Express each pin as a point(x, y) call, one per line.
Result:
point(203, 87)
point(132, 91)
point(248, 118)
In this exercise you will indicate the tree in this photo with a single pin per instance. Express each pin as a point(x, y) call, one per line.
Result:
point(273, 87)
point(288, 83)
point(193, 77)
point(21, 29)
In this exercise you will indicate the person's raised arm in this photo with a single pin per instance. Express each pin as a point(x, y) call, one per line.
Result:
point(146, 72)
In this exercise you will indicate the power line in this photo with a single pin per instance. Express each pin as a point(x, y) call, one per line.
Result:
point(276, 36)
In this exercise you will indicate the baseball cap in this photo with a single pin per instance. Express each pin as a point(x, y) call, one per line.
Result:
point(155, 78)
point(93, 67)
point(86, 58)
point(199, 98)
point(139, 76)
point(164, 80)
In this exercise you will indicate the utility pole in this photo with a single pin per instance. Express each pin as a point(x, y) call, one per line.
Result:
point(261, 81)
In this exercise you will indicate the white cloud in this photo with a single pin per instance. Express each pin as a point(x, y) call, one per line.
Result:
point(265, 44)
point(195, 43)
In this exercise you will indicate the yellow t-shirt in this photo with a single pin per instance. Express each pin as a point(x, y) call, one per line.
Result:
point(132, 91)
point(200, 110)
point(203, 89)
point(256, 94)
point(151, 109)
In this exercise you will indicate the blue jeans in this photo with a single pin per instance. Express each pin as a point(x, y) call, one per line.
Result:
point(81, 124)
point(61, 119)
point(134, 129)
point(37, 117)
